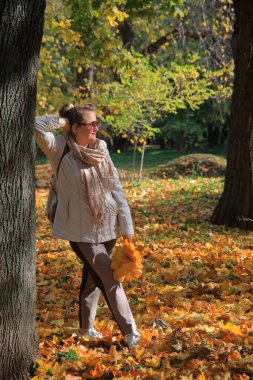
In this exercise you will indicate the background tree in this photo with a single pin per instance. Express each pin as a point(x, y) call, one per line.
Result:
point(91, 55)
point(57, 59)
point(20, 39)
point(237, 199)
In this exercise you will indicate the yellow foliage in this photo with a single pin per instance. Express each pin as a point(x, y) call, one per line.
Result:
point(112, 21)
point(153, 362)
point(202, 293)
point(231, 327)
point(235, 356)
point(113, 355)
point(126, 262)
point(97, 371)
point(59, 322)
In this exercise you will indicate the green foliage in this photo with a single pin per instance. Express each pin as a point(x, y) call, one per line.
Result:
point(183, 128)
point(142, 97)
point(70, 355)
point(97, 51)
point(189, 128)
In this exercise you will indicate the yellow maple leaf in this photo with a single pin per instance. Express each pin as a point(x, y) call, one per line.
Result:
point(97, 372)
point(58, 322)
point(113, 355)
point(147, 335)
point(153, 362)
point(231, 327)
point(139, 352)
point(59, 370)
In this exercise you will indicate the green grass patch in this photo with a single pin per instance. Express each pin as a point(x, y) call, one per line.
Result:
point(155, 157)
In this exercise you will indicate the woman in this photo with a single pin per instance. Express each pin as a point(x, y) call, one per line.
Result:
point(91, 209)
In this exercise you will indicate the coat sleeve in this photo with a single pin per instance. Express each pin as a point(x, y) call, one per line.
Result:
point(48, 143)
point(124, 214)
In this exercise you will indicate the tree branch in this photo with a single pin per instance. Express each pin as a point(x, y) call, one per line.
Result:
point(154, 46)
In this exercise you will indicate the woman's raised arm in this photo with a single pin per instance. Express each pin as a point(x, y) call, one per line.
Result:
point(44, 127)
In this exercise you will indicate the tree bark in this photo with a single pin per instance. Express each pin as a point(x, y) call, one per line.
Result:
point(142, 160)
point(21, 26)
point(237, 198)
point(84, 81)
point(127, 34)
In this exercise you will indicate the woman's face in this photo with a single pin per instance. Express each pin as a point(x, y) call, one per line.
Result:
point(86, 131)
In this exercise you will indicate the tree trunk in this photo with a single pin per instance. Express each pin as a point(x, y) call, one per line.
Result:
point(84, 81)
point(134, 154)
point(127, 34)
point(237, 199)
point(181, 141)
point(21, 24)
point(142, 160)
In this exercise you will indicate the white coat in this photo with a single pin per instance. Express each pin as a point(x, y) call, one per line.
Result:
point(73, 219)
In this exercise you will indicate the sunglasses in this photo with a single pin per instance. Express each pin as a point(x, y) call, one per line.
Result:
point(93, 124)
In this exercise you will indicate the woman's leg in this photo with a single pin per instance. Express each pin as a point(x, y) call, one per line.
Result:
point(88, 300)
point(89, 294)
point(98, 262)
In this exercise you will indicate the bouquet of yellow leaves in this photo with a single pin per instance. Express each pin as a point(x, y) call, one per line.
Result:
point(126, 262)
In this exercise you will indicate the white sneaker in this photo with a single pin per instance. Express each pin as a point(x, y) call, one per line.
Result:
point(132, 339)
point(91, 332)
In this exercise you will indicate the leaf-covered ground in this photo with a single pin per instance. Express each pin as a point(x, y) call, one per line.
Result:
point(196, 164)
point(193, 304)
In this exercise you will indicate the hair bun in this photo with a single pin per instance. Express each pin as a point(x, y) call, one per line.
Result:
point(70, 105)
point(64, 110)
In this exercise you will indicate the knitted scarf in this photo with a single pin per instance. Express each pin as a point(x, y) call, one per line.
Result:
point(96, 173)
